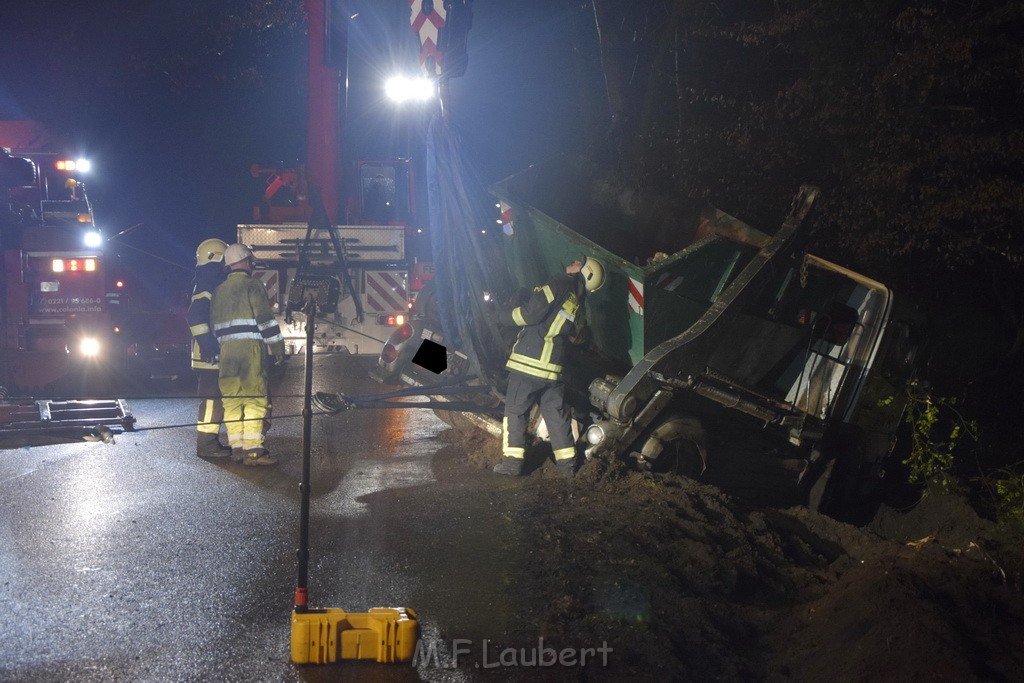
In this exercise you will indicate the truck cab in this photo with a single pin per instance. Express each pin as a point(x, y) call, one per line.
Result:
point(54, 319)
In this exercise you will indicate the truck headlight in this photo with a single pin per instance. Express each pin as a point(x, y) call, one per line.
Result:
point(89, 347)
point(92, 239)
point(595, 434)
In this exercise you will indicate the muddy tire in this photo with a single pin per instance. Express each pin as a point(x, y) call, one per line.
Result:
point(675, 444)
point(680, 457)
point(845, 490)
point(843, 494)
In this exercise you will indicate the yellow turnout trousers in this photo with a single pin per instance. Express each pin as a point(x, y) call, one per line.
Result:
point(243, 388)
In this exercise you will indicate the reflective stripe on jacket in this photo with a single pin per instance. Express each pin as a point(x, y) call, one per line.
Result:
point(547, 319)
point(240, 309)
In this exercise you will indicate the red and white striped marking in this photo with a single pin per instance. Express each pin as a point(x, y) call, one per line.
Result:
point(427, 25)
point(270, 281)
point(506, 218)
point(386, 291)
point(636, 296)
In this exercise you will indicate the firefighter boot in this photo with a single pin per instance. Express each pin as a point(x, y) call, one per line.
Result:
point(255, 457)
point(209, 446)
point(567, 467)
point(512, 467)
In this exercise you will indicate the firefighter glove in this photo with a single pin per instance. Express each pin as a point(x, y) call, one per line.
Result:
point(208, 347)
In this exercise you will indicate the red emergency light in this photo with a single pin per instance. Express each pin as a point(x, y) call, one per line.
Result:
point(82, 165)
point(392, 320)
point(74, 265)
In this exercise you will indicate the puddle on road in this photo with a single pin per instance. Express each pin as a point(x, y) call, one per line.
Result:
point(400, 457)
point(372, 476)
point(410, 522)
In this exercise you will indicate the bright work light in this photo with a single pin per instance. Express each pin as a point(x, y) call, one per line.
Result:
point(402, 88)
point(89, 346)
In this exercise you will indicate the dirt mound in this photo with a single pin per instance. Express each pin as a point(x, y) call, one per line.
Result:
point(686, 582)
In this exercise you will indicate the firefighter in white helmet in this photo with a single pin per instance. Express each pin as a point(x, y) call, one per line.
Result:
point(546, 321)
point(209, 274)
point(247, 330)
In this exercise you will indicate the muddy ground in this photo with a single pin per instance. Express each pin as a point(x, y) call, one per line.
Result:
point(688, 583)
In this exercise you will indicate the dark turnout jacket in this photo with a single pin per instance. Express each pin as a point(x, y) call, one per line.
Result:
point(204, 343)
point(546, 320)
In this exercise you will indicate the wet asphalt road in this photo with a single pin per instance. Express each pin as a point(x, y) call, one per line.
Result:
point(138, 561)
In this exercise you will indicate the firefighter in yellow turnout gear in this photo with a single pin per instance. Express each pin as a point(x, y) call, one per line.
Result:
point(209, 274)
point(244, 324)
point(547, 321)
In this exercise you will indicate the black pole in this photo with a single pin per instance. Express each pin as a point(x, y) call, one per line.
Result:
point(301, 592)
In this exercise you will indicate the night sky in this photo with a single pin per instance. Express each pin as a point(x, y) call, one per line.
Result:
point(173, 103)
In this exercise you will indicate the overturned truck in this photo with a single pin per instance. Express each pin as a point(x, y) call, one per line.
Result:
point(714, 349)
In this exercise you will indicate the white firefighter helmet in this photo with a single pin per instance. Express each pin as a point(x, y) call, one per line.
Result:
point(210, 251)
point(236, 253)
point(593, 274)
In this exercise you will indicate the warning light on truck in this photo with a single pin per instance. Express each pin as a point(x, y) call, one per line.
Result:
point(80, 165)
point(74, 265)
point(392, 320)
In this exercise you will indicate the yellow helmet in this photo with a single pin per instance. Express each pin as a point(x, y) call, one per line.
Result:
point(593, 274)
point(210, 251)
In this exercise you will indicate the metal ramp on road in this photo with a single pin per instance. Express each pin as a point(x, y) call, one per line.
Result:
point(33, 422)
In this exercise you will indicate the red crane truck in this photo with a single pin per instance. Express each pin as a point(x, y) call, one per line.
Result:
point(360, 235)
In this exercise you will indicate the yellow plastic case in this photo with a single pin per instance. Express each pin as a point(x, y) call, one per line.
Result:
point(384, 634)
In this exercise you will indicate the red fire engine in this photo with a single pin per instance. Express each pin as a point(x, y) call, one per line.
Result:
point(54, 319)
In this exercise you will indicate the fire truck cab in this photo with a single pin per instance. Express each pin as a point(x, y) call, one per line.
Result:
point(54, 319)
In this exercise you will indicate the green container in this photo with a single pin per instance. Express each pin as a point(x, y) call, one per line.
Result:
point(666, 262)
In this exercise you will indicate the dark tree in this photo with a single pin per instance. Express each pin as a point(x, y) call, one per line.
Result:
point(908, 115)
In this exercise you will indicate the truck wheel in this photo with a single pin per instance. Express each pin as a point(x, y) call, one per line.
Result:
point(675, 445)
point(842, 493)
point(844, 490)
